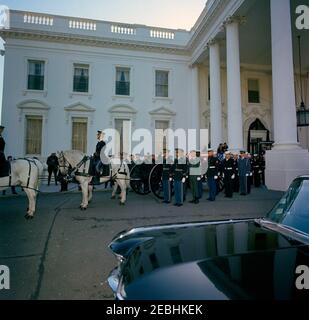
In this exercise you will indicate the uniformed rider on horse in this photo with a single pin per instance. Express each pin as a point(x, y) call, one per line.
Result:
point(4, 164)
point(97, 167)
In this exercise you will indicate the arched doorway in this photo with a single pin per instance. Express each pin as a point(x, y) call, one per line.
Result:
point(257, 134)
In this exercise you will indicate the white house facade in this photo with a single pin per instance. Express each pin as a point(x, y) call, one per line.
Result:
point(235, 73)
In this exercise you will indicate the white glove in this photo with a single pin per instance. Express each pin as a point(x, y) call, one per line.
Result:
point(171, 179)
point(260, 171)
point(183, 180)
point(216, 177)
point(233, 177)
point(251, 174)
point(247, 175)
point(223, 175)
point(198, 178)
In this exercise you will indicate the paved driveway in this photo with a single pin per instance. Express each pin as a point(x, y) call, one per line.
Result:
point(63, 254)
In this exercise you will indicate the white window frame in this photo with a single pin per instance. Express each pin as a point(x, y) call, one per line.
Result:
point(131, 71)
point(88, 94)
point(170, 83)
point(79, 116)
point(25, 86)
point(247, 89)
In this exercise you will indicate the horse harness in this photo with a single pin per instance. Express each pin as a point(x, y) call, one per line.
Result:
point(29, 171)
point(82, 163)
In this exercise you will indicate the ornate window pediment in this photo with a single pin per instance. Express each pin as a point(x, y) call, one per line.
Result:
point(79, 109)
point(33, 107)
point(163, 111)
point(122, 109)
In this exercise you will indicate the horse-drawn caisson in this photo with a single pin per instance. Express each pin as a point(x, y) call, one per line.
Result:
point(77, 167)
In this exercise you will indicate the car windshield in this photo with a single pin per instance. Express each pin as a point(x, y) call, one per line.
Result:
point(293, 208)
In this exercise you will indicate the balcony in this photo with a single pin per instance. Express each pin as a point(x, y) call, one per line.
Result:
point(95, 29)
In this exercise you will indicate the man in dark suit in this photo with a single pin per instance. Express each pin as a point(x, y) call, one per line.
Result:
point(52, 167)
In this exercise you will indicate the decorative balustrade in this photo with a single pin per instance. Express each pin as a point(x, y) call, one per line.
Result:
point(112, 30)
point(82, 25)
point(38, 19)
point(123, 29)
point(162, 34)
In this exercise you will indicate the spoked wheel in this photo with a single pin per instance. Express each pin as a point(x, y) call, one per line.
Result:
point(155, 181)
point(139, 180)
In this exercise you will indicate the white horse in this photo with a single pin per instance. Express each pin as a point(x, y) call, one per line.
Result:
point(25, 173)
point(120, 173)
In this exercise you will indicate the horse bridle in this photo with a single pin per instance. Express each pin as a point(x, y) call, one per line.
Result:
point(66, 164)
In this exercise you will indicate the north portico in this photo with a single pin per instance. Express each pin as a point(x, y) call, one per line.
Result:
point(234, 73)
point(256, 40)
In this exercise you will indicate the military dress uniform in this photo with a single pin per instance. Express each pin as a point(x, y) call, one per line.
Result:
point(244, 169)
point(256, 165)
point(236, 179)
point(194, 178)
point(179, 172)
point(212, 177)
point(167, 179)
point(228, 172)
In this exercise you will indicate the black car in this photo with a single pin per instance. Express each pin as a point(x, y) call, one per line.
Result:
point(248, 259)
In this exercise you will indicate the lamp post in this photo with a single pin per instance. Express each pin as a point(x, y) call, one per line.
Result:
point(302, 112)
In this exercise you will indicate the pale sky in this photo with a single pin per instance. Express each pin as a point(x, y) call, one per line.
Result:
point(176, 14)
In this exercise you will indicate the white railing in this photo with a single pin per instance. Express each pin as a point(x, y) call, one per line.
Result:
point(38, 19)
point(162, 34)
point(111, 30)
point(123, 29)
point(82, 25)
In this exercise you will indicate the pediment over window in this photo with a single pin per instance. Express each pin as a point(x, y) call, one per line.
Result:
point(33, 104)
point(124, 109)
point(163, 111)
point(79, 107)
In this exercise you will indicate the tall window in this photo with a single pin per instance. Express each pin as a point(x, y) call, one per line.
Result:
point(253, 91)
point(79, 134)
point(34, 135)
point(123, 81)
point(162, 83)
point(161, 140)
point(81, 78)
point(35, 75)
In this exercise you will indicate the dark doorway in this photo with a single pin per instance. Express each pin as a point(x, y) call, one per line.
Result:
point(256, 136)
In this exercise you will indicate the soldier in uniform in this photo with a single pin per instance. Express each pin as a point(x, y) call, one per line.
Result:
point(212, 175)
point(256, 165)
point(236, 180)
point(167, 177)
point(228, 174)
point(194, 175)
point(96, 160)
point(179, 172)
point(244, 169)
point(250, 176)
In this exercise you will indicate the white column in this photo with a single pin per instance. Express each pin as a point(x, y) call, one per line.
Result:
point(284, 111)
point(234, 108)
point(287, 160)
point(194, 110)
point(215, 94)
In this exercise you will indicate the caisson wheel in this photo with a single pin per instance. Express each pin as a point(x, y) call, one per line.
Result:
point(139, 179)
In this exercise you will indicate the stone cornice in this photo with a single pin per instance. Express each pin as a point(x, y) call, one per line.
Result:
point(92, 41)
